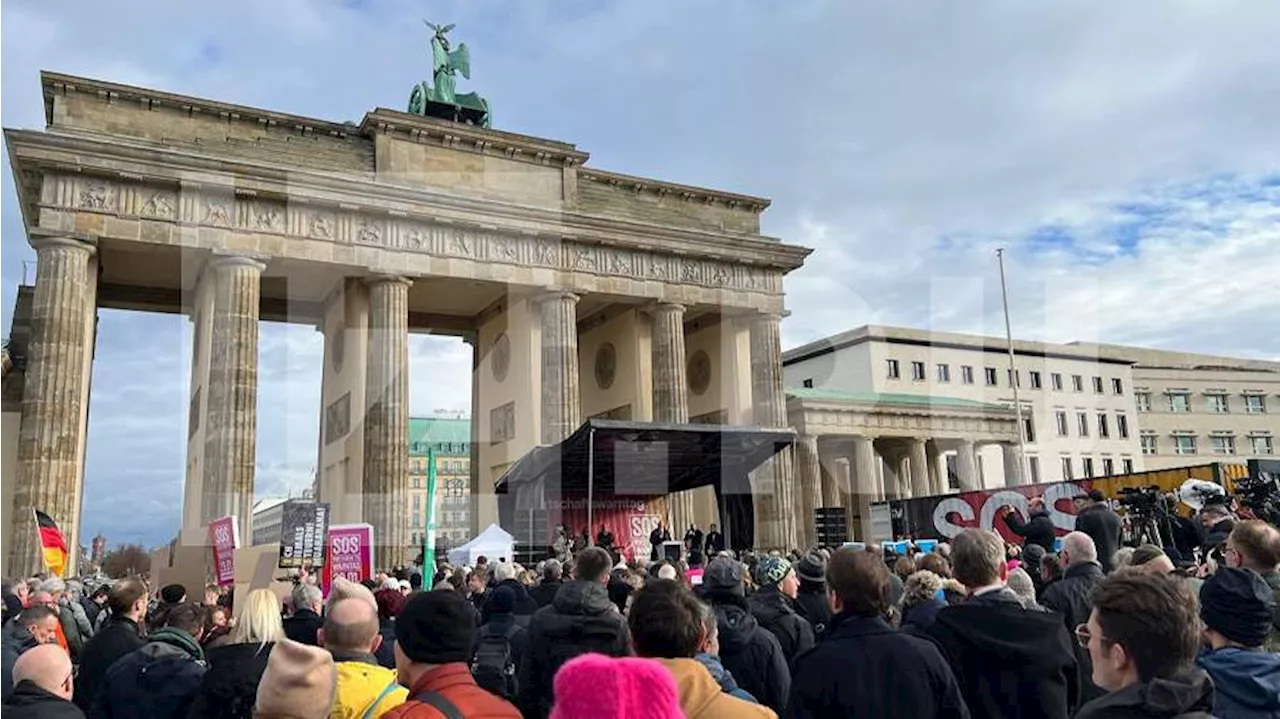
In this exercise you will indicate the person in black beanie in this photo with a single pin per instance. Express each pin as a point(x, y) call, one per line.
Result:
point(750, 652)
point(1237, 607)
point(435, 640)
point(811, 598)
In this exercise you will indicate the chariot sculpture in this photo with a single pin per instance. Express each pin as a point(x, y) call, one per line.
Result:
point(441, 100)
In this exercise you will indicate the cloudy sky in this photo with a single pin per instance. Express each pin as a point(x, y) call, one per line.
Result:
point(1126, 154)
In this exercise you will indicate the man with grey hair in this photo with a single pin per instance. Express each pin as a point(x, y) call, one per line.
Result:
point(552, 580)
point(1010, 661)
point(504, 574)
point(1069, 596)
point(305, 623)
point(77, 630)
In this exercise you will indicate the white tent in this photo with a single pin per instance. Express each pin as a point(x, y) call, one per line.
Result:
point(494, 543)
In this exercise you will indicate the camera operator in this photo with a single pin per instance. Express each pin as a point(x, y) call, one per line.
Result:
point(1096, 519)
point(1184, 533)
point(1218, 522)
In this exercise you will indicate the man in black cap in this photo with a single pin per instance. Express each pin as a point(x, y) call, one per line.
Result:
point(1096, 519)
point(1236, 606)
point(811, 598)
point(750, 652)
point(435, 637)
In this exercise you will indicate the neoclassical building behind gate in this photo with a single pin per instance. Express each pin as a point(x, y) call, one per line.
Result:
point(583, 292)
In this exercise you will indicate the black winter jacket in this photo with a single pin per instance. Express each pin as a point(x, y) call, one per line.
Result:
point(1036, 530)
point(865, 668)
point(30, 701)
point(1103, 527)
point(750, 652)
point(776, 612)
point(1188, 695)
point(1010, 661)
point(119, 637)
point(525, 604)
point(158, 681)
point(1069, 597)
point(304, 627)
point(386, 654)
point(545, 592)
point(579, 620)
point(16, 640)
point(230, 687)
point(813, 605)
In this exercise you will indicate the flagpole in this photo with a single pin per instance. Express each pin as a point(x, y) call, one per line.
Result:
point(35, 523)
point(428, 537)
point(1013, 374)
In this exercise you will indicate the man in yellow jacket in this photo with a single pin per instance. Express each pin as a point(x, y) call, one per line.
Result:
point(364, 689)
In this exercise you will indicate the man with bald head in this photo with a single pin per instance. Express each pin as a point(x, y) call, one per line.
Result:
point(350, 633)
point(1069, 597)
point(42, 685)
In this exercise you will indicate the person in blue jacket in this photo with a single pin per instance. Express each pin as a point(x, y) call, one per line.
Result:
point(1237, 606)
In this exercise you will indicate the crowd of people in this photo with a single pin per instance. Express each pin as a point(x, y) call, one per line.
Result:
point(977, 627)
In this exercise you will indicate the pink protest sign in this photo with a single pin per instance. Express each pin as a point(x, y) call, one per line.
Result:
point(224, 537)
point(350, 554)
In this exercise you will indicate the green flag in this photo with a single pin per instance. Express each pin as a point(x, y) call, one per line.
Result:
point(428, 537)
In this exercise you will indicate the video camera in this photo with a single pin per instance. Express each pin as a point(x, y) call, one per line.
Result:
point(1261, 494)
point(1141, 500)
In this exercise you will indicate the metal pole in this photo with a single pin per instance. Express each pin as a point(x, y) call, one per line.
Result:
point(1013, 372)
point(591, 485)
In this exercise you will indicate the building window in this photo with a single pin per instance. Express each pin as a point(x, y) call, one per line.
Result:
point(1216, 404)
point(1223, 445)
point(1179, 402)
point(1029, 428)
point(1061, 417)
point(1122, 426)
point(1082, 423)
point(1077, 383)
point(1097, 385)
point(1055, 380)
point(966, 374)
point(1108, 467)
point(1261, 445)
point(990, 372)
point(1066, 469)
point(1255, 404)
point(1035, 380)
point(807, 383)
point(1143, 401)
point(917, 371)
point(1104, 427)
point(1033, 464)
point(1148, 444)
point(1184, 444)
point(1014, 376)
point(944, 373)
point(1127, 464)
point(1117, 385)
point(1087, 467)
point(892, 368)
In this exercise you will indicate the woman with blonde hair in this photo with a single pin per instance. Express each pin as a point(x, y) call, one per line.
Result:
point(230, 686)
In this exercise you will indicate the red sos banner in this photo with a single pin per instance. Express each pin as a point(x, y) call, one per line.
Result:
point(350, 554)
point(944, 517)
point(629, 519)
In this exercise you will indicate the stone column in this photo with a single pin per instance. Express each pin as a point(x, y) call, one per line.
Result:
point(864, 481)
point(902, 472)
point(774, 495)
point(231, 435)
point(670, 391)
point(808, 474)
point(386, 422)
point(57, 377)
point(937, 468)
point(1013, 476)
point(967, 466)
point(919, 458)
point(561, 401)
point(842, 469)
point(890, 466)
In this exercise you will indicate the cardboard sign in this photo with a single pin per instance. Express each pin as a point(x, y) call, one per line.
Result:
point(350, 554)
point(303, 528)
point(224, 538)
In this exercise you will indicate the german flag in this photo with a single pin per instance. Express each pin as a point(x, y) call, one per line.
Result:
point(52, 543)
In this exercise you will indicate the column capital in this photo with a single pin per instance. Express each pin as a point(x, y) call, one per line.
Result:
point(43, 239)
point(654, 308)
point(549, 294)
point(218, 261)
point(378, 279)
point(766, 317)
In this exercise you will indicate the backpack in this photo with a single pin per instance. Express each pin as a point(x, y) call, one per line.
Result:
point(494, 665)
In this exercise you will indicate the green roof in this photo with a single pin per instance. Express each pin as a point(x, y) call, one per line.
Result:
point(439, 431)
point(890, 398)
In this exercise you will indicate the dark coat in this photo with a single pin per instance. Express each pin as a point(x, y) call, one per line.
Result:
point(29, 701)
point(230, 687)
point(1010, 661)
point(1036, 530)
point(919, 617)
point(750, 652)
point(386, 654)
point(1103, 527)
point(579, 620)
point(499, 624)
point(714, 543)
point(1069, 597)
point(158, 681)
point(524, 608)
point(1176, 696)
point(119, 637)
point(1246, 683)
point(16, 639)
point(776, 612)
point(303, 627)
point(545, 592)
point(865, 668)
point(813, 605)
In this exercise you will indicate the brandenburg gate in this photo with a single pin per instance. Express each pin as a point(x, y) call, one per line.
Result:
point(583, 293)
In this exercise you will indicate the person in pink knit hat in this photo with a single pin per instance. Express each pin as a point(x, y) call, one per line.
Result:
point(593, 686)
